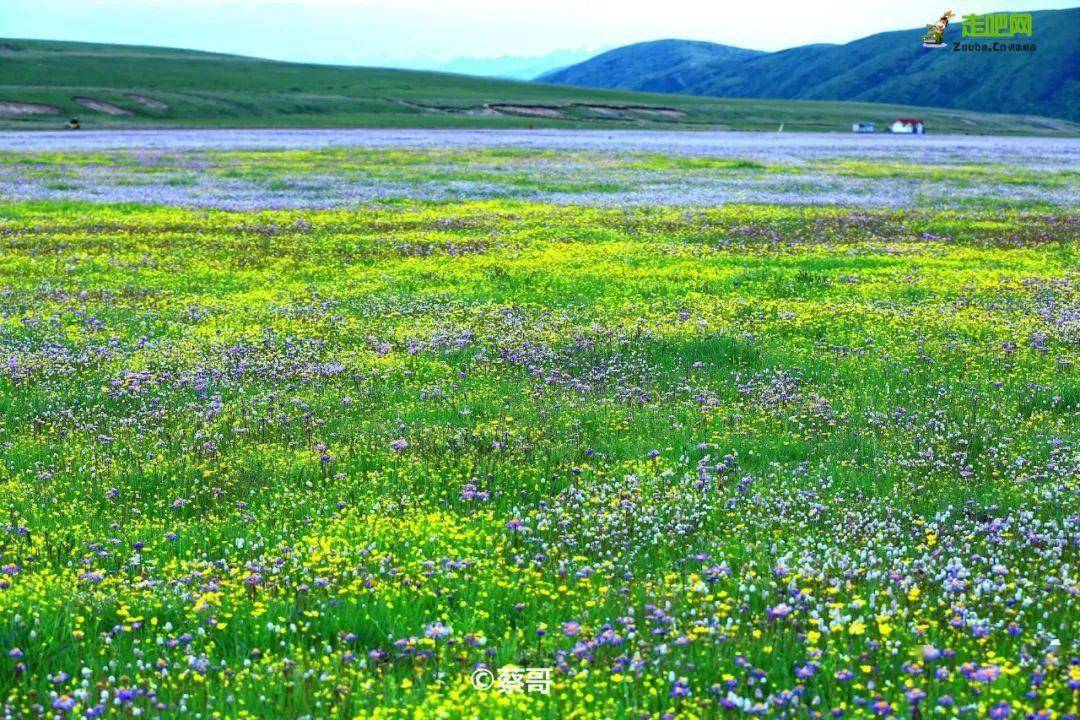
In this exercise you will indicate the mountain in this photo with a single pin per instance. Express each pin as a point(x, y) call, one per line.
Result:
point(658, 66)
point(890, 67)
point(514, 67)
point(43, 83)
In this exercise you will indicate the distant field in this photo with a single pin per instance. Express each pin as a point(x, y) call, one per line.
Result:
point(274, 168)
point(44, 83)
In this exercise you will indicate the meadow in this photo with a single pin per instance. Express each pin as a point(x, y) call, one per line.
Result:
point(328, 431)
point(45, 82)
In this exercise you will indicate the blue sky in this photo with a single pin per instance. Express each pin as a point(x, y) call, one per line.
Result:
point(420, 33)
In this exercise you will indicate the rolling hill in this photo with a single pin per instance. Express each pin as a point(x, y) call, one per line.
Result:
point(889, 67)
point(42, 83)
point(658, 66)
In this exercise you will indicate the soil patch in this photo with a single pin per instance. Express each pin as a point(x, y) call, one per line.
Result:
point(546, 111)
point(148, 101)
point(8, 107)
point(102, 106)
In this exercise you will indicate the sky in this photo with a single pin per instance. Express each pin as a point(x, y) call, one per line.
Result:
point(429, 33)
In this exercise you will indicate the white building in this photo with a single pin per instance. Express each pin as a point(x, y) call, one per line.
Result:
point(862, 127)
point(909, 126)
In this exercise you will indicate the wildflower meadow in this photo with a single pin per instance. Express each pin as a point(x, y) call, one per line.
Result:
point(425, 431)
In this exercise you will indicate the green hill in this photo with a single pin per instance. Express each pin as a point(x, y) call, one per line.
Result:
point(42, 83)
point(889, 67)
point(657, 66)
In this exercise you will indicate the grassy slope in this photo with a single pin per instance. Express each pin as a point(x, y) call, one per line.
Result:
point(887, 67)
point(891, 66)
point(205, 89)
point(658, 66)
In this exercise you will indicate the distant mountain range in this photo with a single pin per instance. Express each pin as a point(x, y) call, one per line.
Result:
point(511, 67)
point(890, 67)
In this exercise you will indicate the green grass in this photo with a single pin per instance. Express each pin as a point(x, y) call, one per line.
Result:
point(755, 448)
point(210, 90)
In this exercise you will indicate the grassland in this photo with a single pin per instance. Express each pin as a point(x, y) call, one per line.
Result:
point(562, 168)
point(307, 459)
point(163, 87)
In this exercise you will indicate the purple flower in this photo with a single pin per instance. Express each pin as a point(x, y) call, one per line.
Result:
point(984, 674)
point(469, 492)
point(438, 631)
point(65, 703)
point(571, 628)
point(881, 706)
point(915, 696)
point(780, 611)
